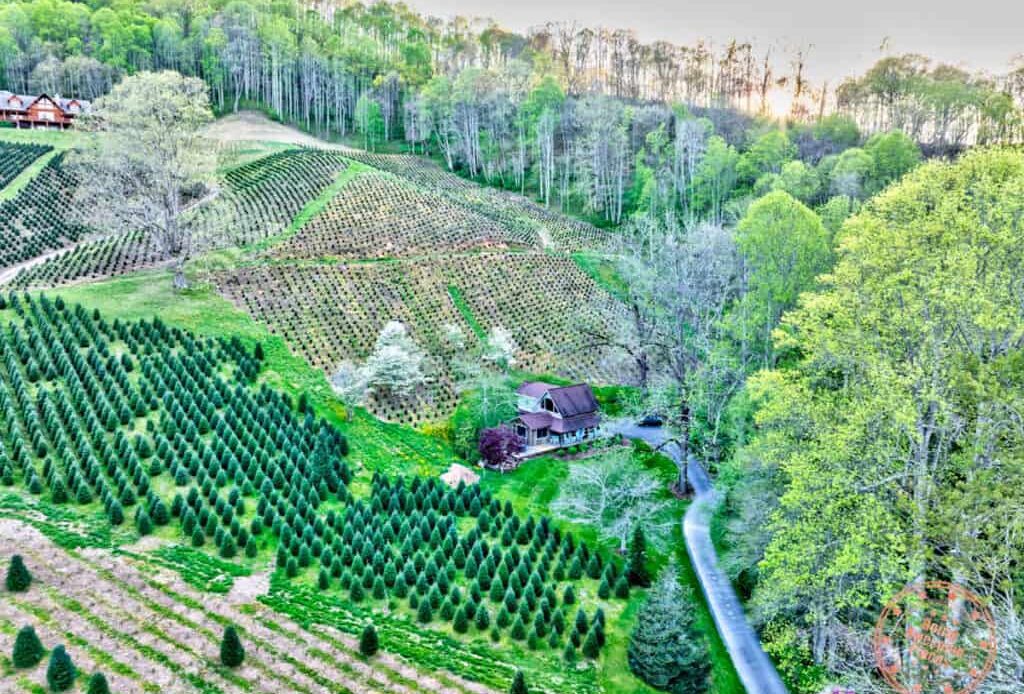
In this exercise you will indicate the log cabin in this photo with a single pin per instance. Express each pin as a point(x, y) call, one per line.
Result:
point(42, 111)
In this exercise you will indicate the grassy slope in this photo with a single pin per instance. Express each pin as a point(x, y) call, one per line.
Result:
point(463, 308)
point(533, 487)
point(26, 175)
point(238, 153)
point(375, 445)
point(602, 272)
point(58, 139)
point(378, 446)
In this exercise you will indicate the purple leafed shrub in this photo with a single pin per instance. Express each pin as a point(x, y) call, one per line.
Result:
point(498, 444)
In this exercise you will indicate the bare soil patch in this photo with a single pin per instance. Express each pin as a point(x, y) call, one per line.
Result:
point(155, 629)
point(248, 126)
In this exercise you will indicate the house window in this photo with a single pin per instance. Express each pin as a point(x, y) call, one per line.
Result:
point(541, 433)
point(549, 404)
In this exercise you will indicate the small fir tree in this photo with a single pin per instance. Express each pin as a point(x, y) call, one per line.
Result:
point(592, 646)
point(28, 649)
point(369, 644)
point(518, 631)
point(232, 653)
point(483, 618)
point(98, 684)
point(569, 654)
point(518, 684)
point(18, 577)
point(665, 649)
point(60, 673)
point(424, 614)
point(636, 569)
point(622, 587)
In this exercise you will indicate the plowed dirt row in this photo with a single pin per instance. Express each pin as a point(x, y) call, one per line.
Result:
point(161, 632)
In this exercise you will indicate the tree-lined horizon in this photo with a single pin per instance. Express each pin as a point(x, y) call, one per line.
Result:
point(312, 64)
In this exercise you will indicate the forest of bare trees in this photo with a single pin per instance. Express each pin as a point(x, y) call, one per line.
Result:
point(312, 64)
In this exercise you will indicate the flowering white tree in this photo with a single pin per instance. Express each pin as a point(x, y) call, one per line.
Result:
point(144, 164)
point(397, 366)
point(614, 494)
point(349, 384)
point(500, 348)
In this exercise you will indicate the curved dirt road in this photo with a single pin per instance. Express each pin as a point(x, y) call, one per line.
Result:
point(752, 664)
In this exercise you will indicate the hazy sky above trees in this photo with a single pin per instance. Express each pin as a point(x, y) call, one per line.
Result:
point(846, 37)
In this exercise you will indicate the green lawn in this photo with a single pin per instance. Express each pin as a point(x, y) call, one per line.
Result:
point(238, 153)
point(602, 271)
point(375, 445)
point(58, 139)
point(534, 486)
point(389, 448)
point(463, 308)
point(394, 449)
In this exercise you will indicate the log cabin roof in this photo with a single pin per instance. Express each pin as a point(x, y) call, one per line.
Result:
point(558, 425)
point(534, 389)
point(21, 103)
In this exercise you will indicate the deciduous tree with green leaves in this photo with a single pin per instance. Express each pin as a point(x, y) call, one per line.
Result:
point(143, 168)
point(896, 422)
point(784, 247)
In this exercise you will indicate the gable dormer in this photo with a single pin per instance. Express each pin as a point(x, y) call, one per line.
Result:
point(547, 404)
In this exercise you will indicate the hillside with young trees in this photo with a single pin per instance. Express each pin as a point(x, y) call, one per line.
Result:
point(246, 335)
point(560, 112)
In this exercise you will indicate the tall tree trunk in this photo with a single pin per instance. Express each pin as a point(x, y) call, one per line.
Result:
point(180, 281)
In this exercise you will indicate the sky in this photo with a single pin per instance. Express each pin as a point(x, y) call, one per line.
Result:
point(845, 37)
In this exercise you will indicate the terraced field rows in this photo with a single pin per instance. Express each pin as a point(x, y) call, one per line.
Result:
point(166, 634)
point(261, 198)
point(382, 216)
point(15, 158)
point(92, 260)
point(90, 647)
point(559, 231)
point(36, 219)
point(328, 313)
